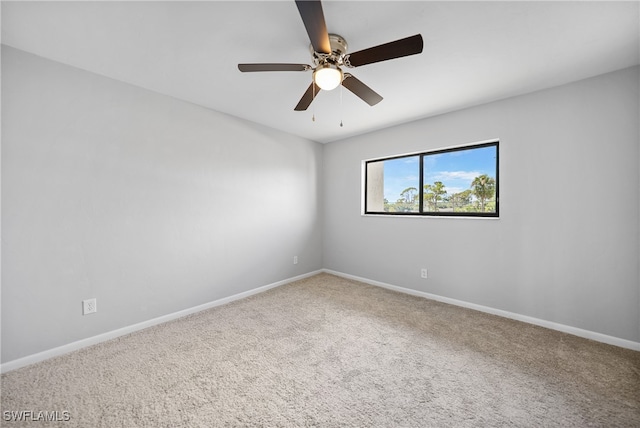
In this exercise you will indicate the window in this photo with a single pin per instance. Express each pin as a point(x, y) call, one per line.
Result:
point(461, 181)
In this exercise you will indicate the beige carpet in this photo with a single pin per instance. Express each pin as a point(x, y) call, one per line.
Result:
point(330, 352)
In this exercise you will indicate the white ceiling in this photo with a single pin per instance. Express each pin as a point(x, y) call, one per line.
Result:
point(474, 52)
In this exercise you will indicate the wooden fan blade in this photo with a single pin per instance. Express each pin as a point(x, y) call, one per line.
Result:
point(313, 19)
point(308, 96)
point(396, 49)
point(367, 94)
point(273, 67)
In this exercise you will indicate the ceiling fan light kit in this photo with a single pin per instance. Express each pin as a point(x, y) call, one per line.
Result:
point(329, 54)
point(327, 76)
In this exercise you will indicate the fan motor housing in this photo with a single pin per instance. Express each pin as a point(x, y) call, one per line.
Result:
point(338, 50)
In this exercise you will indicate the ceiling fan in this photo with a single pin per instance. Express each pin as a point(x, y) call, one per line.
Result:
point(329, 53)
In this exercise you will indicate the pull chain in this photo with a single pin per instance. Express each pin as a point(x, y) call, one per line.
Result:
point(341, 106)
point(313, 91)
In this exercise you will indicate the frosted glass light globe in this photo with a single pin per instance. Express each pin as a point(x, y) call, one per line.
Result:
point(327, 77)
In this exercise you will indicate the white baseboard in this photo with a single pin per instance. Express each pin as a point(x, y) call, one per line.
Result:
point(598, 337)
point(70, 347)
point(65, 349)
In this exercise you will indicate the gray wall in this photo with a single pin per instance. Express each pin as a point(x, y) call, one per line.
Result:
point(566, 246)
point(147, 203)
point(153, 205)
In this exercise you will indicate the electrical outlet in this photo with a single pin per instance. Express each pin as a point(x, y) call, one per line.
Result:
point(295, 260)
point(89, 306)
point(424, 273)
